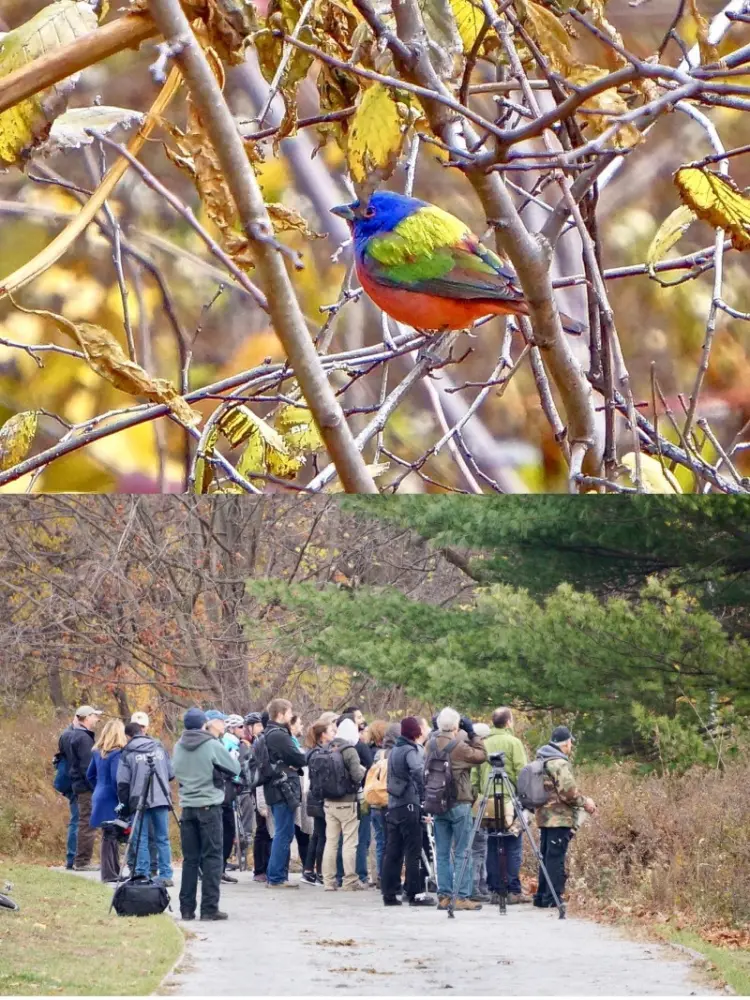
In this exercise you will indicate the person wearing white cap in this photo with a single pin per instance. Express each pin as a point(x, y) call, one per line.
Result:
point(142, 720)
point(75, 745)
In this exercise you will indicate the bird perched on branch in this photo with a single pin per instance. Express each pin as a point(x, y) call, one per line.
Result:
point(424, 267)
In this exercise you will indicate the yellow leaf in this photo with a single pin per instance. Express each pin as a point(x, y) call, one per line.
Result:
point(261, 457)
point(204, 470)
point(709, 53)
point(375, 136)
point(239, 423)
point(470, 20)
point(299, 430)
point(26, 123)
point(253, 458)
point(547, 31)
point(654, 478)
point(609, 101)
point(16, 438)
point(285, 219)
point(669, 232)
point(718, 201)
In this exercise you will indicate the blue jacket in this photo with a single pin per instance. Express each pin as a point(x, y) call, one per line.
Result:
point(102, 774)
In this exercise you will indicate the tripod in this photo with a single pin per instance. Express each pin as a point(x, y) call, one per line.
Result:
point(241, 837)
point(139, 821)
point(497, 786)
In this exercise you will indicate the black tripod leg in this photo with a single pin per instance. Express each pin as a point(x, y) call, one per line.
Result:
point(140, 817)
point(503, 868)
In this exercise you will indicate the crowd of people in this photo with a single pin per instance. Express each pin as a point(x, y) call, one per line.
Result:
point(260, 781)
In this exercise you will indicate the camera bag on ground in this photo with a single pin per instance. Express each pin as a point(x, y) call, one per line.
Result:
point(329, 777)
point(531, 791)
point(140, 897)
point(439, 787)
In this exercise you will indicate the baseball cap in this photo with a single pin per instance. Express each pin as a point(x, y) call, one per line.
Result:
point(253, 718)
point(561, 734)
point(214, 713)
point(194, 718)
point(140, 718)
point(85, 710)
point(233, 721)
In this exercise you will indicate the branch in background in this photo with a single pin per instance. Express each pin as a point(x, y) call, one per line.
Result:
point(287, 318)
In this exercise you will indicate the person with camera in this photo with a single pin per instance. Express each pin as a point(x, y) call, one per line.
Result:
point(502, 741)
point(201, 765)
point(76, 744)
point(282, 789)
point(558, 818)
point(140, 754)
point(455, 741)
point(403, 821)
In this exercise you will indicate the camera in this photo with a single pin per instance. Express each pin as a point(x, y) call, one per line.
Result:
point(498, 759)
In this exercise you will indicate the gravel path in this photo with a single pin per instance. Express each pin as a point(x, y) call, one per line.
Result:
point(306, 942)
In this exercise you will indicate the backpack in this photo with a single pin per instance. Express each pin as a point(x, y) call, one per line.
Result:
point(329, 777)
point(61, 781)
point(265, 769)
point(531, 791)
point(439, 787)
point(376, 784)
point(250, 771)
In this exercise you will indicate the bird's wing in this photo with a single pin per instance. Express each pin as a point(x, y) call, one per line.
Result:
point(435, 253)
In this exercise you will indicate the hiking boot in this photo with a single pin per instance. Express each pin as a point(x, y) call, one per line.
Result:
point(467, 904)
point(480, 897)
point(260, 877)
point(330, 888)
point(391, 901)
point(90, 867)
point(166, 882)
point(279, 885)
point(422, 901)
point(188, 915)
point(444, 902)
point(495, 899)
point(518, 897)
point(355, 887)
point(229, 878)
point(232, 867)
point(309, 878)
point(218, 915)
point(319, 879)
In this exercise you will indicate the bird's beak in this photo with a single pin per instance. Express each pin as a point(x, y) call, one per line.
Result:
point(344, 212)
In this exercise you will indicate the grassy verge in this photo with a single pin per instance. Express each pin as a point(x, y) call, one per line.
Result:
point(63, 941)
point(731, 965)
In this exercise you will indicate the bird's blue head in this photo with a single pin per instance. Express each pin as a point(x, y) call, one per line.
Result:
point(380, 214)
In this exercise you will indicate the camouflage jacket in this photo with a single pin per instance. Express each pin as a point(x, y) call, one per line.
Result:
point(565, 801)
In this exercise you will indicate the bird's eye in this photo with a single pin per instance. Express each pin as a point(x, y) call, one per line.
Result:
point(369, 213)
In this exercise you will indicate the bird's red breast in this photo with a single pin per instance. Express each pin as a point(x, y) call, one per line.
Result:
point(433, 312)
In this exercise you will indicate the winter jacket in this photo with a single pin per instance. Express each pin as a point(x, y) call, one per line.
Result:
point(564, 801)
point(351, 760)
point(500, 740)
point(201, 766)
point(133, 773)
point(466, 754)
point(102, 776)
point(405, 774)
point(284, 753)
point(76, 744)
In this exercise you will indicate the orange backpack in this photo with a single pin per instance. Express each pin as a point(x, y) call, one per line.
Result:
point(376, 784)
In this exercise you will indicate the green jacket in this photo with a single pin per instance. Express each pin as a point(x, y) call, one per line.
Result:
point(201, 766)
point(515, 757)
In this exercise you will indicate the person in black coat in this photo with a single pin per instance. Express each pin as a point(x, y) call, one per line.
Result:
point(283, 792)
point(76, 744)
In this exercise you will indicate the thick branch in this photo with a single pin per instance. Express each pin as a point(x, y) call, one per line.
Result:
point(287, 318)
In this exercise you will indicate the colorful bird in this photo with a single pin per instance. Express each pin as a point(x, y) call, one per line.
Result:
point(424, 267)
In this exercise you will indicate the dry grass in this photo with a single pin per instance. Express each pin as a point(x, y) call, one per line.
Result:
point(667, 848)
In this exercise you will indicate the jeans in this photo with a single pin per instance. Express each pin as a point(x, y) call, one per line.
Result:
point(479, 861)
point(554, 846)
point(200, 833)
point(452, 832)
point(363, 847)
point(378, 825)
point(70, 851)
point(151, 848)
point(513, 849)
point(403, 846)
point(159, 821)
point(278, 863)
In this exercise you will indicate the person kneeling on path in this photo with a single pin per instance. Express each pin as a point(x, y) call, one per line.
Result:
point(335, 775)
point(201, 765)
point(133, 772)
point(558, 819)
point(282, 789)
point(405, 779)
point(456, 744)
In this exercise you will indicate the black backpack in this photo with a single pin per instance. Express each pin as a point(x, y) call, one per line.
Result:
point(265, 770)
point(329, 777)
point(439, 787)
point(140, 898)
point(250, 772)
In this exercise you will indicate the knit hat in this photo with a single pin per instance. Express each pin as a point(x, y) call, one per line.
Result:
point(194, 718)
point(482, 730)
point(411, 728)
point(347, 730)
point(561, 735)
